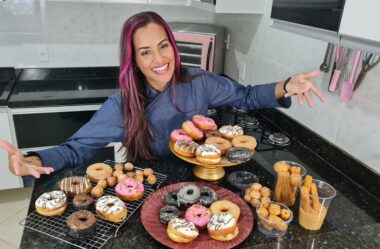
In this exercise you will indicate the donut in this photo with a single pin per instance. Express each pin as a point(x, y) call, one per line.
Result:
point(167, 213)
point(208, 154)
point(180, 134)
point(215, 133)
point(207, 196)
point(51, 203)
point(172, 199)
point(75, 185)
point(81, 225)
point(185, 148)
point(98, 171)
point(244, 141)
point(222, 227)
point(188, 194)
point(225, 207)
point(204, 123)
point(192, 130)
point(82, 202)
point(238, 154)
point(181, 231)
point(231, 131)
point(222, 144)
point(111, 208)
point(130, 190)
point(198, 215)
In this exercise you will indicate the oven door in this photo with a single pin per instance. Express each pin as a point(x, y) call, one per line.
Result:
point(44, 127)
point(196, 50)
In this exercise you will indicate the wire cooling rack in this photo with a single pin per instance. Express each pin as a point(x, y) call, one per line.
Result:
point(56, 226)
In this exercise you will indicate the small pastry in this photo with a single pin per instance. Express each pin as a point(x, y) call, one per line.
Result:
point(119, 167)
point(139, 178)
point(265, 192)
point(265, 201)
point(274, 209)
point(151, 179)
point(281, 166)
point(139, 172)
point(278, 223)
point(117, 173)
point(130, 174)
point(121, 178)
point(102, 183)
point(256, 186)
point(255, 194)
point(148, 171)
point(255, 202)
point(111, 181)
point(285, 214)
point(263, 212)
point(128, 166)
point(97, 191)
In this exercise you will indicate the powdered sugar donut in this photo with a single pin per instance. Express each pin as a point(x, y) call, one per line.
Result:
point(204, 123)
point(198, 215)
point(208, 154)
point(192, 130)
point(231, 131)
point(180, 134)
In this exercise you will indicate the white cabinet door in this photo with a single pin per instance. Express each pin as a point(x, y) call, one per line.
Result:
point(360, 20)
point(232, 6)
point(7, 180)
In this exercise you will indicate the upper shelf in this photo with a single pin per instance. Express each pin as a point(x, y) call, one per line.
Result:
point(228, 6)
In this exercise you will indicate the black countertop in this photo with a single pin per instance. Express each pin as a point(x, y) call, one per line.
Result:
point(7, 80)
point(352, 220)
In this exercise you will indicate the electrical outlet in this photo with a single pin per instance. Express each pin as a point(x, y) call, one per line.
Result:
point(242, 70)
point(43, 54)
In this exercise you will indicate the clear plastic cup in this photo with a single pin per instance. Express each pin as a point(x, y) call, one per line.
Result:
point(313, 209)
point(287, 187)
point(240, 180)
point(271, 228)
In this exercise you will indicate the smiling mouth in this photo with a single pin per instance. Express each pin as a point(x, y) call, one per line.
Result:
point(162, 69)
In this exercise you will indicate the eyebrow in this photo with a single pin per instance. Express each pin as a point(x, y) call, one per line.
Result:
point(158, 44)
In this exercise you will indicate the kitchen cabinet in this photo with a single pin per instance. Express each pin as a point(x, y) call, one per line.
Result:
point(7, 180)
point(359, 18)
point(228, 6)
point(170, 2)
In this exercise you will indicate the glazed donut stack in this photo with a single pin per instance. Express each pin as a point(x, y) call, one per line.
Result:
point(212, 143)
point(81, 224)
point(202, 210)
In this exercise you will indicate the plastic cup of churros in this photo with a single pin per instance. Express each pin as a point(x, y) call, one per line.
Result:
point(288, 176)
point(273, 220)
point(315, 199)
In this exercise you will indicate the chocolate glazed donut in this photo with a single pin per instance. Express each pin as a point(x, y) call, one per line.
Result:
point(81, 225)
point(167, 213)
point(172, 199)
point(207, 196)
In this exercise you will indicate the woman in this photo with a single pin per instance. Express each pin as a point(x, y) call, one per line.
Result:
point(157, 95)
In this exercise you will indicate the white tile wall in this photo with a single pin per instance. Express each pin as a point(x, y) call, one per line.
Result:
point(272, 55)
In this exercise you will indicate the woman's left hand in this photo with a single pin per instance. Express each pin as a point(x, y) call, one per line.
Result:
point(302, 86)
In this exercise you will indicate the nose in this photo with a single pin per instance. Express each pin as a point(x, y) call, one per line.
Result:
point(158, 57)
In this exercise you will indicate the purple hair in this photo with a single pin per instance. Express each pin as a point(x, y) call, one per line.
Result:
point(133, 88)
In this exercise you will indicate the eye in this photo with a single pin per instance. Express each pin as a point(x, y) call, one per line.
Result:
point(145, 52)
point(165, 45)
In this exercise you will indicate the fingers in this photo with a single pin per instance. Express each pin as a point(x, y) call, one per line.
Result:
point(312, 74)
point(8, 147)
point(318, 93)
point(300, 99)
point(44, 170)
point(309, 100)
point(29, 169)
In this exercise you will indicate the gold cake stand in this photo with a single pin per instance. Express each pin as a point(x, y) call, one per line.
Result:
point(207, 172)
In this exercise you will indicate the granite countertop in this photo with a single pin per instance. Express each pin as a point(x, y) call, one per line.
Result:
point(352, 221)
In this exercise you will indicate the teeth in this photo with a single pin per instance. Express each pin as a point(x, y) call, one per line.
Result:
point(160, 68)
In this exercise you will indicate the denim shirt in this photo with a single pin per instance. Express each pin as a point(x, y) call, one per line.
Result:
point(165, 112)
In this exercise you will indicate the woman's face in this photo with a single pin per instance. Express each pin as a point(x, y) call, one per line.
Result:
point(154, 55)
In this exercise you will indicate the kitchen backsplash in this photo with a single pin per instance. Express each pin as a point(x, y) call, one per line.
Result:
point(87, 34)
point(273, 55)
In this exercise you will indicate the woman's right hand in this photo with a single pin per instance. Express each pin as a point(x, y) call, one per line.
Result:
point(19, 165)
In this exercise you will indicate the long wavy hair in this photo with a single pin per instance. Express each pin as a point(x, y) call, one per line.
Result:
point(134, 86)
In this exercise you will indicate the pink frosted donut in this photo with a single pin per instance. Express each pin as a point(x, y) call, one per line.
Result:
point(204, 123)
point(199, 215)
point(129, 190)
point(180, 134)
point(192, 130)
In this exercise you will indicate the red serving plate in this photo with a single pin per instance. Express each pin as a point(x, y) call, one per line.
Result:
point(150, 217)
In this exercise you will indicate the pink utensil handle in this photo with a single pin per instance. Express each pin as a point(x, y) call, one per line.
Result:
point(358, 53)
point(334, 80)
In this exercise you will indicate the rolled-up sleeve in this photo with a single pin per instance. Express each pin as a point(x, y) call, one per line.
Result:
point(224, 91)
point(105, 126)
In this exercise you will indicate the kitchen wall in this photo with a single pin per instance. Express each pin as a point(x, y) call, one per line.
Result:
point(87, 34)
point(74, 33)
point(273, 55)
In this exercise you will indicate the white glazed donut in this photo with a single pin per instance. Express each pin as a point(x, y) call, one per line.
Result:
point(111, 208)
point(51, 203)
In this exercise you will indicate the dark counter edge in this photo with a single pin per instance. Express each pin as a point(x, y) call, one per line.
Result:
point(346, 164)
